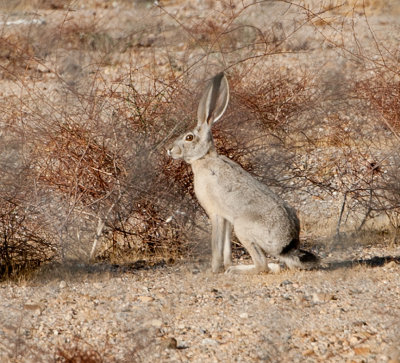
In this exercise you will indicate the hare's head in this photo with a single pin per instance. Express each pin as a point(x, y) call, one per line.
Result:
point(194, 144)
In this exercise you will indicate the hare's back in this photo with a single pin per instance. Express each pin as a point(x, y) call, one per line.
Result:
point(223, 187)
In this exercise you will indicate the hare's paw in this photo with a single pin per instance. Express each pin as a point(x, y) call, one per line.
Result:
point(227, 265)
point(275, 268)
point(217, 266)
point(217, 269)
point(242, 269)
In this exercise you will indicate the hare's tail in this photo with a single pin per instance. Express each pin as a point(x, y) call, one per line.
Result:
point(307, 257)
point(298, 258)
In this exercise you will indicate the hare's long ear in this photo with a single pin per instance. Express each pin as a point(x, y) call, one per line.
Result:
point(214, 100)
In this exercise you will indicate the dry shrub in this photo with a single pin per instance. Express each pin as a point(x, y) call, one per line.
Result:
point(73, 160)
point(77, 354)
point(80, 351)
point(391, 188)
point(382, 92)
point(24, 242)
point(24, 237)
point(274, 101)
point(112, 178)
point(16, 56)
point(96, 143)
point(149, 233)
point(155, 206)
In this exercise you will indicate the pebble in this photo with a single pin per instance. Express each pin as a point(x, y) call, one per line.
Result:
point(145, 299)
point(363, 350)
point(170, 343)
point(322, 297)
point(209, 341)
point(33, 307)
point(392, 264)
point(155, 323)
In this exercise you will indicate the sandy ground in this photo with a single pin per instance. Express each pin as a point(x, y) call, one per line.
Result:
point(345, 311)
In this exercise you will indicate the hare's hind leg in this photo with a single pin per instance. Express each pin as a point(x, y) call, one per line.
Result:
point(244, 230)
point(258, 257)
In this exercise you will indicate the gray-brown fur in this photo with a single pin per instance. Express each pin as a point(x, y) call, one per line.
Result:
point(233, 198)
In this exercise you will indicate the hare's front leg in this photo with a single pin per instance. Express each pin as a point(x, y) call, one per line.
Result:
point(220, 243)
point(227, 244)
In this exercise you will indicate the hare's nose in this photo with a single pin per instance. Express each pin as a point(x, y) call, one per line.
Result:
point(169, 148)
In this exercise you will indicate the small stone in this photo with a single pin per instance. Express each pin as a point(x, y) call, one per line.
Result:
point(181, 344)
point(353, 340)
point(145, 299)
point(391, 264)
point(170, 343)
point(69, 316)
point(209, 341)
point(156, 323)
point(244, 315)
point(63, 284)
point(37, 310)
point(316, 298)
point(308, 352)
point(32, 306)
point(275, 268)
point(362, 350)
point(322, 297)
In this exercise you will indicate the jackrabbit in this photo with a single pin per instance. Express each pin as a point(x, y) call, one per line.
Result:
point(234, 199)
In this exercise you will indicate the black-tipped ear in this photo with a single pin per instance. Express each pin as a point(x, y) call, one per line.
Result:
point(214, 100)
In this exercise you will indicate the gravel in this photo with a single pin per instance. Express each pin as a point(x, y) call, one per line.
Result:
point(346, 311)
point(342, 312)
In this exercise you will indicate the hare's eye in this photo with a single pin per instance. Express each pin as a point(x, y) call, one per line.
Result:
point(189, 137)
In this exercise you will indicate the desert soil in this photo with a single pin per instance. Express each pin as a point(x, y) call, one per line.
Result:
point(345, 311)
